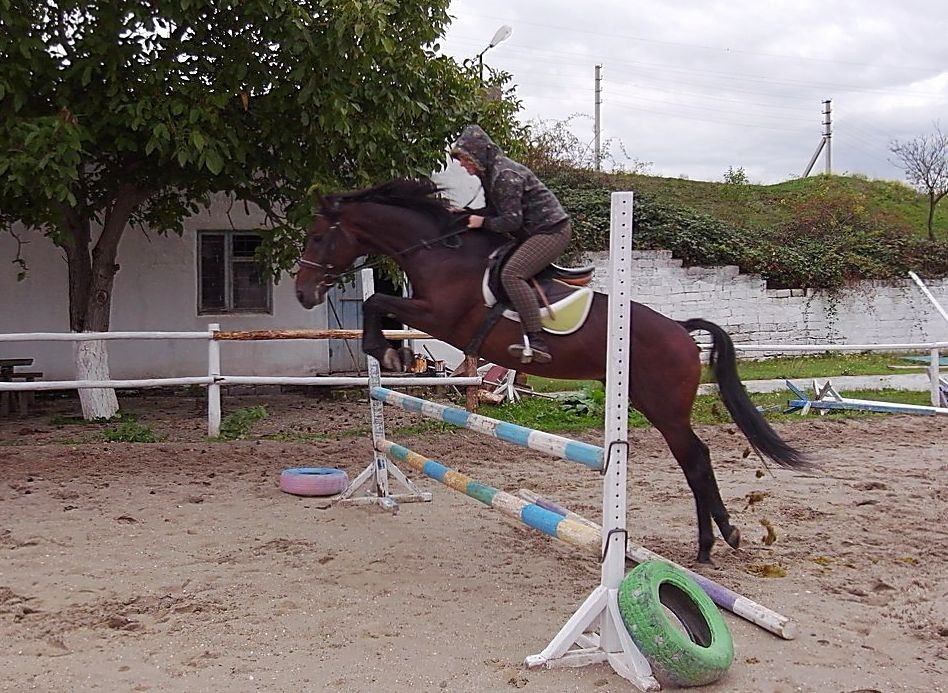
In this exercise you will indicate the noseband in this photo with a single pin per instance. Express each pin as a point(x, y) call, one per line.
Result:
point(328, 270)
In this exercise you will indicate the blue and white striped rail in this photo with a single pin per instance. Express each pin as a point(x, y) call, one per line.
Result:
point(558, 446)
point(531, 514)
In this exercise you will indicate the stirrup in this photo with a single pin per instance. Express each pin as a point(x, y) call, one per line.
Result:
point(527, 354)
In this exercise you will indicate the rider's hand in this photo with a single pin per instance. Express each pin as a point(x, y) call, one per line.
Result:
point(475, 222)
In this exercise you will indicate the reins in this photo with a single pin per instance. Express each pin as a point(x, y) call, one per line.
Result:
point(448, 240)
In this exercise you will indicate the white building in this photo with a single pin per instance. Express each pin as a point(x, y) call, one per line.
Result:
point(184, 283)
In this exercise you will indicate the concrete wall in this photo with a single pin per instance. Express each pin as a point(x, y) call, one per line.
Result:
point(867, 313)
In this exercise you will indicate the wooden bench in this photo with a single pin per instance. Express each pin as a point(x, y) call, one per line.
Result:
point(8, 373)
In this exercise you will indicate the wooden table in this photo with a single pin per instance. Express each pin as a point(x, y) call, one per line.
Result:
point(7, 373)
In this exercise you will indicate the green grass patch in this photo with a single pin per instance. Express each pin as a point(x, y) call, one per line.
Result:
point(815, 366)
point(237, 425)
point(129, 432)
point(819, 366)
point(563, 417)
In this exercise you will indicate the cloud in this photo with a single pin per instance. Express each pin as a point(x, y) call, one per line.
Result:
point(696, 87)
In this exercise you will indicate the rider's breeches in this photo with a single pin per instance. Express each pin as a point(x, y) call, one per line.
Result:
point(532, 256)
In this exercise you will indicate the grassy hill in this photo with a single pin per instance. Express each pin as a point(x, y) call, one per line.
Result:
point(817, 232)
point(763, 206)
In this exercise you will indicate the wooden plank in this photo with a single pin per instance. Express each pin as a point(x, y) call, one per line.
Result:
point(257, 335)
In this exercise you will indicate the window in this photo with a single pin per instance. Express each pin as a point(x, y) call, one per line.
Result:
point(229, 278)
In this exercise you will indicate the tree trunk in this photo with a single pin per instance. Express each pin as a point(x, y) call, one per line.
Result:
point(931, 216)
point(92, 363)
point(91, 278)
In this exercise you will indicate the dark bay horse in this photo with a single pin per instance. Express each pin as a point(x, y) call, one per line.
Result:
point(406, 221)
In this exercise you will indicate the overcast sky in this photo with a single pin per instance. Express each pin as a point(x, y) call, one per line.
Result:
point(696, 86)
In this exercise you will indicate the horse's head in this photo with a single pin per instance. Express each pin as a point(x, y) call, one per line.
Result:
point(397, 219)
point(330, 251)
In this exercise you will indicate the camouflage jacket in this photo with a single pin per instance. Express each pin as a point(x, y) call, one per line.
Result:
point(518, 204)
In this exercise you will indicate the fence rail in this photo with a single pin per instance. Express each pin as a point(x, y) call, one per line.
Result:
point(214, 378)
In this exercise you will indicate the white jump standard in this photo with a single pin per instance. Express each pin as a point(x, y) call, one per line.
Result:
point(576, 644)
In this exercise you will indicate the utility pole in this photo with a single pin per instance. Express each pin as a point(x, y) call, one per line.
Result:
point(825, 141)
point(597, 129)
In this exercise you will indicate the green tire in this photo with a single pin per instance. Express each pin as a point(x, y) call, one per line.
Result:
point(698, 655)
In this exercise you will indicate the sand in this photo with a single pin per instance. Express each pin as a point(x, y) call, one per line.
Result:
point(181, 566)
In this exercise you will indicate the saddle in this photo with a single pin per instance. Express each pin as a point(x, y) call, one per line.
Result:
point(563, 293)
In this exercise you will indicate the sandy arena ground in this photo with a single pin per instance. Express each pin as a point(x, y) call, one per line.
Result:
point(180, 566)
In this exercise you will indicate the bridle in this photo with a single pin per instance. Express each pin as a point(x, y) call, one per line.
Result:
point(448, 240)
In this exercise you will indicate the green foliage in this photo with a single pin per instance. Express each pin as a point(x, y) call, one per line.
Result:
point(237, 425)
point(129, 432)
point(123, 111)
point(590, 401)
point(735, 176)
point(819, 233)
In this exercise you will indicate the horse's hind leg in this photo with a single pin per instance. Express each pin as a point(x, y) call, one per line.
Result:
point(694, 459)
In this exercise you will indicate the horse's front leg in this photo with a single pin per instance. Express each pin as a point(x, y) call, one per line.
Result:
point(408, 311)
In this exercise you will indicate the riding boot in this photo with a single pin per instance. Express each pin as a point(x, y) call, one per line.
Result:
point(533, 350)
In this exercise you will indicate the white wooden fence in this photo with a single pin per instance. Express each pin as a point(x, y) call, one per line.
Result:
point(214, 378)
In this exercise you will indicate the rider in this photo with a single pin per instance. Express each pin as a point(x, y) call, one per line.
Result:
point(519, 205)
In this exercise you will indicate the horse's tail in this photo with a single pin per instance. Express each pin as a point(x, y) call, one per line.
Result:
point(761, 436)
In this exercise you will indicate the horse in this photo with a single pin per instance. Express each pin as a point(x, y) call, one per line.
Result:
point(407, 221)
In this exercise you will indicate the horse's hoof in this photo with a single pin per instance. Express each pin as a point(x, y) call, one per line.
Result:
point(407, 357)
point(391, 361)
point(733, 538)
point(705, 557)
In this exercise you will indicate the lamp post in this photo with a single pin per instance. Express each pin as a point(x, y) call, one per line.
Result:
point(503, 33)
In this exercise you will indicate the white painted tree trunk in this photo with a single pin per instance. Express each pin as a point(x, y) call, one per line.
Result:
point(92, 363)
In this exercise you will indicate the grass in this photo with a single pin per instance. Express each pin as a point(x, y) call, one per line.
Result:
point(763, 206)
point(552, 416)
point(819, 365)
point(129, 432)
point(816, 366)
point(237, 425)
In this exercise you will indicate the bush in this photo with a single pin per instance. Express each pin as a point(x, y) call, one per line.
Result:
point(832, 237)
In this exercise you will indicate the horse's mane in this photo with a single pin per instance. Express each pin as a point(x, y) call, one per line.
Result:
point(419, 195)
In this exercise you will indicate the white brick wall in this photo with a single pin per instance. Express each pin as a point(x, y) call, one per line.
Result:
point(866, 313)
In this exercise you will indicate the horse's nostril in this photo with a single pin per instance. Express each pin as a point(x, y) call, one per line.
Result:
point(300, 296)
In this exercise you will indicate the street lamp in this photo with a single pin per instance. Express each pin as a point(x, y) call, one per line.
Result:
point(503, 33)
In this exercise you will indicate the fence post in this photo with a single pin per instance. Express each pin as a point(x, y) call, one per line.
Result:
point(213, 389)
point(933, 376)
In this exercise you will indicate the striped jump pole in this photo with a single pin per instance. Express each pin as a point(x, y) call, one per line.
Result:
point(737, 604)
point(550, 523)
point(558, 446)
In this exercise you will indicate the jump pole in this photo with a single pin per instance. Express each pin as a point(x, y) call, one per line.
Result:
point(533, 515)
point(737, 604)
point(557, 446)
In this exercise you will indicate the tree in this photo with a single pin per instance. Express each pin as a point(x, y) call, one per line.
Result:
point(925, 162)
point(552, 147)
point(119, 113)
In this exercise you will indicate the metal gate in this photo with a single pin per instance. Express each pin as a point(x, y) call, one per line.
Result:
point(345, 312)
